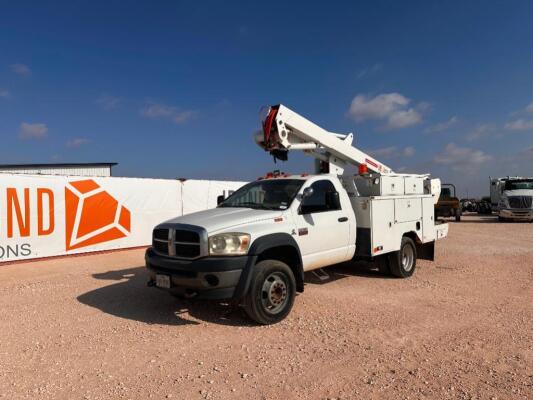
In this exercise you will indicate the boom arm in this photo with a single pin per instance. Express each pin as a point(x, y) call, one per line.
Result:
point(285, 130)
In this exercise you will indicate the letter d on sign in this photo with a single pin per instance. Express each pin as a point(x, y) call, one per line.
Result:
point(14, 205)
point(41, 231)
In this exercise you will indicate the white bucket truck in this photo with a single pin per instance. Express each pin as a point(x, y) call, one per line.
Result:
point(256, 245)
point(512, 197)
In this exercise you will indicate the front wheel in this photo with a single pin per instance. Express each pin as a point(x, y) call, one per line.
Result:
point(272, 292)
point(403, 262)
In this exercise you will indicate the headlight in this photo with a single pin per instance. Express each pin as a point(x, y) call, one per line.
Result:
point(229, 244)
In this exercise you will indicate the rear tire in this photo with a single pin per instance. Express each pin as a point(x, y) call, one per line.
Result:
point(457, 216)
point(271, 294)
point(403, 262)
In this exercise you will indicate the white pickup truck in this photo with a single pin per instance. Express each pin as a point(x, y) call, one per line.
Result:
point(256, 245)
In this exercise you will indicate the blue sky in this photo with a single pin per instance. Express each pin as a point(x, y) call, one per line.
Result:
point(173, 89)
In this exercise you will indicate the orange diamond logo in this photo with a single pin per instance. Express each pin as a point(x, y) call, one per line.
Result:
point(92, 215)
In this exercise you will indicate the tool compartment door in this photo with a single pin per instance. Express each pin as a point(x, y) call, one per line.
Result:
point(382, 225)
point(407, 209)
point(428, 219)
point(414, 185)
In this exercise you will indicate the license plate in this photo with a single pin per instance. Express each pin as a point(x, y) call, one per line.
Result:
point(162, 281)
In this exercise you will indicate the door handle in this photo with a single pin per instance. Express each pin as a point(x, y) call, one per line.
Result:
point(343, 219)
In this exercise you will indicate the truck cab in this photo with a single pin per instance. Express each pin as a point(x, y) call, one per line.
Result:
point(516, 199)
point(302, 222)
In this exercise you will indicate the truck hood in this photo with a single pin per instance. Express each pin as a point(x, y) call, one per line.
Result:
point(225, 217)
point(518, 192)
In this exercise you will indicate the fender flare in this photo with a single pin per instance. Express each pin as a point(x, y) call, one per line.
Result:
point(259, 246)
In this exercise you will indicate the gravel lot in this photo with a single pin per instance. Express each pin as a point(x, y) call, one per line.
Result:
point(460, 328)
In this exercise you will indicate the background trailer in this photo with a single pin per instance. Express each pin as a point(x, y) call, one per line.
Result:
point(45, 215)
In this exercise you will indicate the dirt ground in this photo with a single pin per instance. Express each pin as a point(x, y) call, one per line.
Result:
point(460, 328)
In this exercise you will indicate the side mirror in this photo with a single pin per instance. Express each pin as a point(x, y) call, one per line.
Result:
point(308, 192)
point(220, 199)
point(333, 200)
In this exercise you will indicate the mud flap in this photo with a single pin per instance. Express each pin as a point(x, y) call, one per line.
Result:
point(426, 251)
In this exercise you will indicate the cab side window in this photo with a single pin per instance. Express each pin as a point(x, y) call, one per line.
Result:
point(324, 198)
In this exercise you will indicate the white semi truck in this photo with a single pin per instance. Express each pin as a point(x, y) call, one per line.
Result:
point(256, 245)
point(512, 198)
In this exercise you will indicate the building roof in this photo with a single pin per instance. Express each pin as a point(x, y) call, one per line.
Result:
point(58, 165)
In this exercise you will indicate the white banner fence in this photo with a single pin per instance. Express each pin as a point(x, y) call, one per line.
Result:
point(45, 215)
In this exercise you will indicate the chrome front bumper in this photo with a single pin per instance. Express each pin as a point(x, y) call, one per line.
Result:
point(518, 214)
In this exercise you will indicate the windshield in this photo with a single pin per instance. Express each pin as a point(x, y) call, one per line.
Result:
point(274, 194)
point(519, 184)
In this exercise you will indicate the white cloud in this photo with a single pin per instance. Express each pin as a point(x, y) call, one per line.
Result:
point(370, 70)
point(157, 110)
point(520, 124)
point(393, 108)
point(479, 131)
point(4, 94)
point(175, 114)
point(384, 152)
point(77, 142)
point(183, 116)
point(409, 151)
point(404, 118)
point(442, 126)
point(528, 151)
point(393, 152)
point(33, 131)
point(21, 69)
point(529, 108)
point(108, 102)
point(461, 158)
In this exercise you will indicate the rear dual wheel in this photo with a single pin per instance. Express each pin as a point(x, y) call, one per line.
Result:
point(403, 262)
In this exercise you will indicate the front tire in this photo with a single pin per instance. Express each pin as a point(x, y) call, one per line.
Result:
point(403, 262)
point(271, 294)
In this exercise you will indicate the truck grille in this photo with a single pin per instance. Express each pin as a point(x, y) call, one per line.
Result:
point(180, 242)
point(520, 201)
point(160, 240)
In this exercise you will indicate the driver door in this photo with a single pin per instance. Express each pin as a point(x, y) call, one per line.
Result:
point(322, 227)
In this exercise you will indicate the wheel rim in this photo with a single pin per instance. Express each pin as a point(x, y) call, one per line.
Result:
point(408, 257)
point(274, 294)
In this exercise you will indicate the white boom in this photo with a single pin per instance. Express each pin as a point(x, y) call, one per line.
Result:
point(285, 130)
